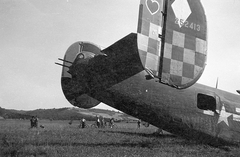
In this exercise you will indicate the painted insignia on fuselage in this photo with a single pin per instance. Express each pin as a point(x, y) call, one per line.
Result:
point(223, 117)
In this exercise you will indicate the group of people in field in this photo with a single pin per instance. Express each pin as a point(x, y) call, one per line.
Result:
point(102, 123)
point(99, 123)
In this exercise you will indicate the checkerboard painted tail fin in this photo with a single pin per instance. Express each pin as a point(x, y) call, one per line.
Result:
point(149, 33)
point(172, 40)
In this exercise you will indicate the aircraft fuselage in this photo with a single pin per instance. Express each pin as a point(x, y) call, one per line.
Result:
point(119, 80)
point(151, 75)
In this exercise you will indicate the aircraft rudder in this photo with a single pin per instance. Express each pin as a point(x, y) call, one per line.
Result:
point(149, 33)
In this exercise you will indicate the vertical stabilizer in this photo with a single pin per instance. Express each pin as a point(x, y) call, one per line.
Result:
point(172, 40)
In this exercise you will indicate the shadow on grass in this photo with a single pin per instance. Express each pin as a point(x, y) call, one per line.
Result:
point(140, 134)
point(142, 144)
point(179, 140)
point(155, 141)
point(215, 144)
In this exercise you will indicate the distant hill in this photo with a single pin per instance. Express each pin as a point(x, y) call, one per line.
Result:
point(12, 114)
point(65, 114)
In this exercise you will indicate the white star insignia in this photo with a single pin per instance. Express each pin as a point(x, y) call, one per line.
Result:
point(224, 115)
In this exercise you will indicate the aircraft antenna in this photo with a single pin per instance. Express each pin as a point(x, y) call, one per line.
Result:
point(217, 84)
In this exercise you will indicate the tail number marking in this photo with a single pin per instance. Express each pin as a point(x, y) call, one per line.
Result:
point(188, 24)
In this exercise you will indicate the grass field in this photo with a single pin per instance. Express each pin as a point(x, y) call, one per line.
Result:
point(59, 139)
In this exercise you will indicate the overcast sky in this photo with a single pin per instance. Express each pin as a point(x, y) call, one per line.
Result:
point(34, 33)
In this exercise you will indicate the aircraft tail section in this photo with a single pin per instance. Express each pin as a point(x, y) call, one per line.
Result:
point(89, 71)
point(172, 40)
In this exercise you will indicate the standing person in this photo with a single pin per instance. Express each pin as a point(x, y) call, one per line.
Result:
point(32, 121)
point(83, 123)
point(98, 122)
point(138, 124)
point(111, 123)
point(36, 121)
point(103, 123)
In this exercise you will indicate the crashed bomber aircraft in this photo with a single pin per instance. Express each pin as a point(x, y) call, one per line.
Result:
point(152, 75)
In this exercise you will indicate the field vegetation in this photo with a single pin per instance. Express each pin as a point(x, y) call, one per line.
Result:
point(59, 139)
